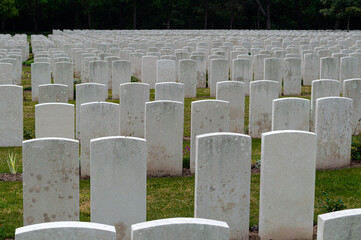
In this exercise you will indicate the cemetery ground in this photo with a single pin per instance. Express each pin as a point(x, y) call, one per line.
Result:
point(173, 196)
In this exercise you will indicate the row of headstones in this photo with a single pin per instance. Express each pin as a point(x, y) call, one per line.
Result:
point(331, 226)
point(128, 119)
point(283, 114)
point(226, 48)
point(223, 172)
point(172, 228)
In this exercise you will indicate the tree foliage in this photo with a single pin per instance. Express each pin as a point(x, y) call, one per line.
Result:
point(44, 15)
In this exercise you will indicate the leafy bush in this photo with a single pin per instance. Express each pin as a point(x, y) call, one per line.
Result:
point(28, 62)
point(134, 79)
point(356, 147)
point(329, 204)
point(11, 161)
point(258, 164)
point(28, 134)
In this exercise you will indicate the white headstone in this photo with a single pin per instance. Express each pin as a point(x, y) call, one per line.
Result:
point(11, 115)
point(234, 93)
point(97, 119)
point(180, 229)
point(333, 126)
point(121, 73)
point(149, 70)
point(292, 76)
point(322, 88)
point(66, 230)
point(169, 91)
point(262, 93)
point(64, 74)
point(133, 97)
point(166, 71)
point(207, 116)
point(53, 93)
point(6, 73)
point(339, 225)
point(311, 68)
point(98, 73)
point(54, 120)
point(87, 92)
point(351, 89)
point(164, 135)
point(288, 160)
point(223, 175)
point(242, 71)
point(290, 114)
point(40, 74)
point(219, 71)
point(187, 74)
point(273, 70)
point(115, 163)
point(50, 180)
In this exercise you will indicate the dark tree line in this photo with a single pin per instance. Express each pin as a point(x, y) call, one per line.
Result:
point(44, 15)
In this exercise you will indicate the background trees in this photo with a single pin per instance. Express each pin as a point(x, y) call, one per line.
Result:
point(44, 15)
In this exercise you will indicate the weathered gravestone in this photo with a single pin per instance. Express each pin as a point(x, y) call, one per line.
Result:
point(54, 120)
point(116, 162)
point(207, 116)
point(164, 134)
point(97, 119)
point(53, 93)
point(223, 175)
point(262, 93)
point(187, 74)
point(11, 115)
point(290, 114)
point(169, 91)
point(66, 230)
point(322, 88)
point(333, 126)
point(50, 180)
point(40, 74)
point(288, 161)
point(64, 74)
point(87, 92)
point(121, 73)
point(133, 97)
point(181, 228)
point(234, 93)
point(339, 225)
point(351, 89)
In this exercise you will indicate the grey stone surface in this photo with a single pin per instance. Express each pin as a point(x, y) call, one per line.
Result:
point(207, 116)
point(97, 119)
point(223, 175)
point(54, 120)
point(181, 228)
point(333, 126)
point(50, 180)
point(53, 93)
point(340, 225)
point(66, 230)
point(288, 161)
point(118, 183)
point(164, 134)
point(133, 97)
point(87, 92)
point(290, 114)
point(262, 93)
point(11, 115)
